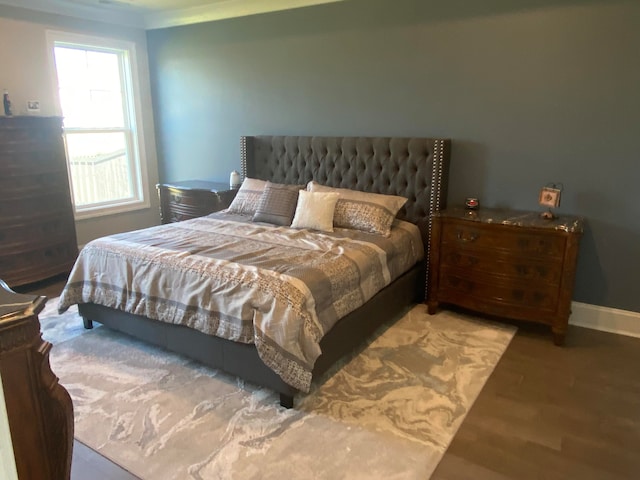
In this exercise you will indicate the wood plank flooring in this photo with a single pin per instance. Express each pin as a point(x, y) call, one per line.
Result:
point(547, 412)
point(89, 464)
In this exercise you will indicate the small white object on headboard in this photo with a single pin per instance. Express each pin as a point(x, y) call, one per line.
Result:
point(235, 180)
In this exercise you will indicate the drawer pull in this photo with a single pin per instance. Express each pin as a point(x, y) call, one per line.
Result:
point(467, 237)
point(176, 198)
point(461, 260)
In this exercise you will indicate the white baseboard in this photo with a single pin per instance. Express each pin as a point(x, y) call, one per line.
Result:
point(613, 320)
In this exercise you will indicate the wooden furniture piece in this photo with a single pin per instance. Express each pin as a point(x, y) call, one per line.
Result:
point(505, 263)
point(192, 198)
point(39, 409)
point(38, 237)
point(416, 168)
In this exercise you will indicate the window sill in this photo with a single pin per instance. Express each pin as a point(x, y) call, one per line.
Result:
point(112, 210)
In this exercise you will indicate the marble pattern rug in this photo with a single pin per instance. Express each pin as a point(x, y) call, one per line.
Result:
point(390, 411)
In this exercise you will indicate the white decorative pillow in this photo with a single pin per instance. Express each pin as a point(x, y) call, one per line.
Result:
point(368, 212)
point(248, 197)
point(315, 210)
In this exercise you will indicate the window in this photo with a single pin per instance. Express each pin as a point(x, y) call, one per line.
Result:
point(97, 90)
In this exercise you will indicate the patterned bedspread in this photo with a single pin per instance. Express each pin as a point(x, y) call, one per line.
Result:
point(277, 287)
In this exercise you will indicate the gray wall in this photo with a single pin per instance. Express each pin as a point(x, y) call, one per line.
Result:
point(530, 92)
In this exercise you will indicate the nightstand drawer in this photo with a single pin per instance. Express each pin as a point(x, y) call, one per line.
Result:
point(496, 289)
point(472, 297)
point(501, 263)
point(184, 212)
point(190, 198)
point(502, 237)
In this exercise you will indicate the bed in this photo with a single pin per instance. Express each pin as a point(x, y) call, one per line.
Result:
point(413, 168)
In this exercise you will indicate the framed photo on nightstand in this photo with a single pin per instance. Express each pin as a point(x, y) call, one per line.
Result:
point(549, 197)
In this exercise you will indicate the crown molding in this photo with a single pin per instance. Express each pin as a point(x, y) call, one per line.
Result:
point(223, 10)
point(97, 13)
point(121, 14)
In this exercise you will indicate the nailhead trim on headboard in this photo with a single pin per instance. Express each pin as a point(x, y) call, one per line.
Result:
point(243, 157)
point(437, 174)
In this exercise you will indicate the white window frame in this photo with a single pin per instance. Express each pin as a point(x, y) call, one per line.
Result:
point(133, 119)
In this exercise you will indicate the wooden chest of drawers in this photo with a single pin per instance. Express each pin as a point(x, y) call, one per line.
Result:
point(192, 198)
point(37, 235)
point(505, 263)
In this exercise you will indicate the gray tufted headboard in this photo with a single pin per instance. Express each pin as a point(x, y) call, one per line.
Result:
point(416, 168)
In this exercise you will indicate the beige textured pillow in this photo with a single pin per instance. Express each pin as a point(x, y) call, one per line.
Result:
point(247, 199)
point(368, 212)
point(315, 210)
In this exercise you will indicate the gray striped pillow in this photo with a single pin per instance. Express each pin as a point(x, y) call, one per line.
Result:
point(277, 204)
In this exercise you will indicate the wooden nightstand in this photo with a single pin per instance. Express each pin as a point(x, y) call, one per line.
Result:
point(506, 263)
point(192, 198)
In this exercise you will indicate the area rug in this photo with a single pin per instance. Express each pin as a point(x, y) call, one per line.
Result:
point(389, 411)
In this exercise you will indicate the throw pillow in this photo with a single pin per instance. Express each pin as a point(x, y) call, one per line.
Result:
point(368, 212)
point(277, 204)
point(315, 210)
point(248, 197)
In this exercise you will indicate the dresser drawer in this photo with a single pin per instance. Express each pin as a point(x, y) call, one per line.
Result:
point(34, 184)
point(29, 264)
point(32, 131)
point(502, 237)
point(26, 163)
point(19, 236)
point(501, 263)
point(47, 204)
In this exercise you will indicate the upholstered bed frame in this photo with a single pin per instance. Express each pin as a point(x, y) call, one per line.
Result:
point(416, 168)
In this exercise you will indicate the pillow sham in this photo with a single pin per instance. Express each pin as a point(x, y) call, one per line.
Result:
point(368, 212)
point(248, 197)
point(277, 204)
point(315, 210)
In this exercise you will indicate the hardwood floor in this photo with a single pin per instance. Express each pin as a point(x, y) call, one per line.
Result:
point(89, 464)
point(550, 412)
point(547, 412)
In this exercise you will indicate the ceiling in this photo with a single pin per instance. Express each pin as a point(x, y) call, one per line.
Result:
point(150, 14)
